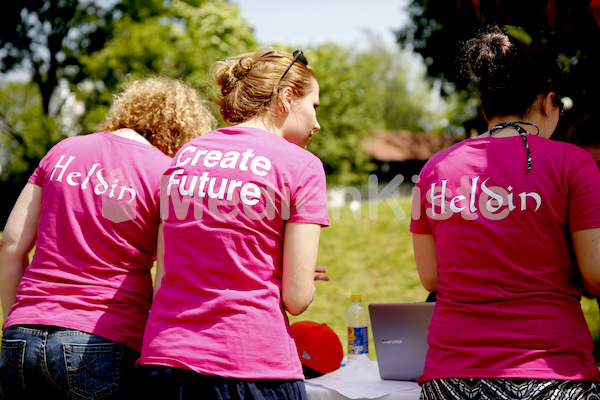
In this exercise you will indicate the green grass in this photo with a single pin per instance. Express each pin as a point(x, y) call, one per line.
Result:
point(370, 252)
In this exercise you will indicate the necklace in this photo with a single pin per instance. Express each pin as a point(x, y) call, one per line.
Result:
point(522, 132)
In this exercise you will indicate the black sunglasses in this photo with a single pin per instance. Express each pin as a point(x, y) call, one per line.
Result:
point(298, 56)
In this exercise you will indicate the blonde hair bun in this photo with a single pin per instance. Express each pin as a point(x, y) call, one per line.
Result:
point(243, 68)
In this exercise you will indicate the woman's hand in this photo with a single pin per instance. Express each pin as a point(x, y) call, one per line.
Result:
point(321, 274)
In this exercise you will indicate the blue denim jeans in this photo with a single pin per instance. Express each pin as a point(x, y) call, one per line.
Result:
point(47, 362)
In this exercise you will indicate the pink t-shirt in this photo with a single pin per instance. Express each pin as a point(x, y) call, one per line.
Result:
point(219, 309)
point(96, 238)
point(508, 304)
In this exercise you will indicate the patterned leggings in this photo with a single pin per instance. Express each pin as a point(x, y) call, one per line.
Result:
point(509, 389)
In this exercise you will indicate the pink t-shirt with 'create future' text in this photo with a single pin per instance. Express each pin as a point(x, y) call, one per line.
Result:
point(225, 201)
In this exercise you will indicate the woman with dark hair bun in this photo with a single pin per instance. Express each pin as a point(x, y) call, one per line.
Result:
point(506, 230)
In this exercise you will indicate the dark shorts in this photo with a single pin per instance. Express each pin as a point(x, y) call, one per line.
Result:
point(509, 389)
point(181, 384)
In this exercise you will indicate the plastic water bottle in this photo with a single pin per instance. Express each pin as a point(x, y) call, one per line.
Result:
point(357, 321)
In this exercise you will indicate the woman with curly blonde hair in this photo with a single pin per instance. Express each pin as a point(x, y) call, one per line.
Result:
point(75, 315)
point(165, 112)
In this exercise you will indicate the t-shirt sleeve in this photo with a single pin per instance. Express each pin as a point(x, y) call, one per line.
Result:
point(418, 218)
point(584, 194)
point(39, 174)
point(37, 177)
point(309, 202)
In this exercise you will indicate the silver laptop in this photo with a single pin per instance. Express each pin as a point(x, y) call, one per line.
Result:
point(400, 335)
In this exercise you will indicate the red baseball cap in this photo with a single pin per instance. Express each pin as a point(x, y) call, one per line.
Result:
point(319, 348)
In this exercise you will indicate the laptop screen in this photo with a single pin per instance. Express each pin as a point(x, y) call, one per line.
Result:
point(400, 336)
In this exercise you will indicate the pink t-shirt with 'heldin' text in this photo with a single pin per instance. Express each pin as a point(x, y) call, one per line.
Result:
point(508, 302)
point(96, 238)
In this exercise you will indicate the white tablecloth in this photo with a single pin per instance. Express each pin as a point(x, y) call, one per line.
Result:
point(360, 380)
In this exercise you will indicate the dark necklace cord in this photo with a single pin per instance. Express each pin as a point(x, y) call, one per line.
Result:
point(522, 132)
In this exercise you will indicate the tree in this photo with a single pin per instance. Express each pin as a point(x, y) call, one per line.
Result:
point(25, 135)
point(20, 111)
point(565, 27)
point(361, 90)
point(47, 37)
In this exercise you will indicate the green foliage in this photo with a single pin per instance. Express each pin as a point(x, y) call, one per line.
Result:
point(26, 132)
point(47, 37)
point(364, 90)
point(567, 29)
point(95, 47)
point(360, 90)
point(45, 40)
point(343, 114)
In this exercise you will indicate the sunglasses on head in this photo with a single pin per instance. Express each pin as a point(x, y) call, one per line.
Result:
point(298, 56)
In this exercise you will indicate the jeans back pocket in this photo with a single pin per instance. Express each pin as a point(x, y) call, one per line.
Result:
point(93, 370)
point(12, 366)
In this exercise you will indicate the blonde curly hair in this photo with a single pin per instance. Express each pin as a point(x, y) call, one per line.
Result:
point(165, 111)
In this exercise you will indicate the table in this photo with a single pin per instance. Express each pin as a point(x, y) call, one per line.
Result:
point(360, 380)
point(324, 393)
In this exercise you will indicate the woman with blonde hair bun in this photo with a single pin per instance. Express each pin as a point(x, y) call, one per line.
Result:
point(243, 210)
point(75, 315)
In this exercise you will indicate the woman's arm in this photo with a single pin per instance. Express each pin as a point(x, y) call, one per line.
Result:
point(426, 259)
point(300, 249)
point(17, 241)
point(586, 244)
point(160, 259)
